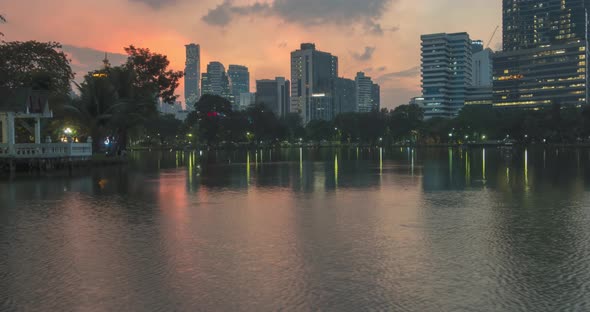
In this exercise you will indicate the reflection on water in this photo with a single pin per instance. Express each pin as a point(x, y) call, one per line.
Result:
point(303, 229)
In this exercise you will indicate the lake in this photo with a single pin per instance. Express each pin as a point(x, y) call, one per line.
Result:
point(397, 229)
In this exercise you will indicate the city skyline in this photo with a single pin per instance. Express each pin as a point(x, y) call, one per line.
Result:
point(383, 42)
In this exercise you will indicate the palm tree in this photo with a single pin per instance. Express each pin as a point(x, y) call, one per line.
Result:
point(110, 106)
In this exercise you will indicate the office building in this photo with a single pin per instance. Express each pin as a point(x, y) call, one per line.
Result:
point(312, 73)
point(480, 92)
point(364, 93)
point(344, 96)
point(544, 61)
point(246, 100)
point(192, 75)
point(446, 73)
point(376, 97)
point(239, 80)
point(320, 107)
point(274, 94)
point(215, 81)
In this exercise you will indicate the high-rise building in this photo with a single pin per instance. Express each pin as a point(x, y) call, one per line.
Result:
point(482, 68)
point(215, 81)
point(476, 46)
point(312, 72)
point(446, 73)
point(480, 92)
point(344, 96)
point(376, 97)
point(544, 61)
point(192, 74)
point(246, 100)
point(364, 93)
point(274, 94)
point(239, 80)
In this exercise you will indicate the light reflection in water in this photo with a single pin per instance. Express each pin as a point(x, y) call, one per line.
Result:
point(381, 161)
point(248, 167)
point(336, 170)
point(483, 166)
point(274, 241)
point(526, 168)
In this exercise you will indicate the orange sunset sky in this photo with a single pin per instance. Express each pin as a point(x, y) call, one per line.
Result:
point(380, 37)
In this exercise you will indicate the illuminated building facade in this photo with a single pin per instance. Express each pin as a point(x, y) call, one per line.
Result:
point(312, 73)
point(239, 79)
point(544, 61)
point(216, 82)
point(446, 73)
point(364, 93)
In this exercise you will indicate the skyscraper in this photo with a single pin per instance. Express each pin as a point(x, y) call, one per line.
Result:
point(192, 74)
point(376, 97)
point(274, 94)
point(344, 96)
point(446, 73)
point(215, 81)
point(364, 93)
point(544, 61)
point(312, 72)
point(239, 79)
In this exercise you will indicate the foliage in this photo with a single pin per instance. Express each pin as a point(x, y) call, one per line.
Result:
point(39, 65)
point(151, 72)
point(117, 102)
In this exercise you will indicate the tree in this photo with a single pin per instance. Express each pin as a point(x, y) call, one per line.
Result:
point(35, 64)
point(405, 120)
point(293, 125)
point(151, 71)
point(263, 123)
point(210, 119)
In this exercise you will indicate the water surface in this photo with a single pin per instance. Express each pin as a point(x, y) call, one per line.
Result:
point(303, 230)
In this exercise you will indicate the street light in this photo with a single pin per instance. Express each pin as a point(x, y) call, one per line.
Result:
point(483, 137)
point(68, 131)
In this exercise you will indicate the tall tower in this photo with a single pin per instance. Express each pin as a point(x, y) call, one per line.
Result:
point(446, 73)
point(312, 73)
point(364, 93)
point(192, 74)
point(239, 79)
point(215, 81)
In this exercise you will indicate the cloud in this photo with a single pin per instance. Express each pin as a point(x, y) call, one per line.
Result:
point(366, 13)
point(157, 4)
point(366, 55)
point(407, 73)
point(84, 60)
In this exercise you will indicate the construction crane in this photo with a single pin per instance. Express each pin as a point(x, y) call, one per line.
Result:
point(493, 35)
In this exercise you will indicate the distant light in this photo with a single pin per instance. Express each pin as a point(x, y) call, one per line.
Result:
point(318, 95)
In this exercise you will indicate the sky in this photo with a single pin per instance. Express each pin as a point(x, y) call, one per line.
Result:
point(379, 37)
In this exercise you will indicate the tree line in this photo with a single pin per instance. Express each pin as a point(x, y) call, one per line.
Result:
point(118, 105)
